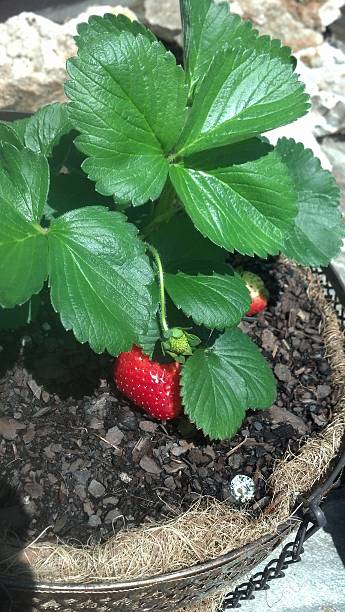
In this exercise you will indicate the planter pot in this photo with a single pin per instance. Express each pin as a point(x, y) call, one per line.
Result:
point(247, 540)
point(166, 592)
point(184, 588)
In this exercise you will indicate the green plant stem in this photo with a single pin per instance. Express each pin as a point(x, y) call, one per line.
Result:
point(40, 229)
point(155, 254)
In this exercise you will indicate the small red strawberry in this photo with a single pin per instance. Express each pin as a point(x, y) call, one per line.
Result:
point(258, 292)
point(150, 385)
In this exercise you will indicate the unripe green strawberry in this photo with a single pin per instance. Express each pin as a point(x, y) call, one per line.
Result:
point(150, 385)
point(258, 292)
point(179, 344)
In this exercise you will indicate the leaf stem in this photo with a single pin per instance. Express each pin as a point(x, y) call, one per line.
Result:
point(40, 229)
point(155, 254)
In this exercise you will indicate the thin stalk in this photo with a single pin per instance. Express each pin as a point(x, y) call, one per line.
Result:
point(156, 256)
point(40, 229)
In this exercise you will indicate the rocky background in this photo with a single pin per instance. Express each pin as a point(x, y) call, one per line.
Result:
point(34, 48)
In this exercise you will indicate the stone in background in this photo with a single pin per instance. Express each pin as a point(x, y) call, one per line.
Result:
point(34, 49)
point(33, 54)
point(325, 76)
point(299, 24)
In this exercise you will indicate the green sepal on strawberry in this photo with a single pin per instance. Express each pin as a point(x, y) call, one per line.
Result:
point(258, 292)
point(179, 344)
point(148, 384)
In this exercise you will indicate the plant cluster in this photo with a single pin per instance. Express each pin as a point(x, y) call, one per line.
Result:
point(129, 200)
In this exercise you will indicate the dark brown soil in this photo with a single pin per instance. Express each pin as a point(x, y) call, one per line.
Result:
point(85, 461)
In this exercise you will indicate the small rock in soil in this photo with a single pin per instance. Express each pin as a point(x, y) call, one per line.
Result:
point(170, 483)
point(110, 501)
point(114, 436)
point(82, 476)
point(94, 521)
point(281, 415)
point(269, 340)
point(60, 523)
point(35, 388)
point(80, 490)
point(174, 467)
point(282, 372)
point(29, 435)
point(88, 508)
point(96, 488)
point(127, 419)
point(149, 465)
point(9, 428)
point(113, 515)
point(34, 489)
point(148, 426)
point(323, 391)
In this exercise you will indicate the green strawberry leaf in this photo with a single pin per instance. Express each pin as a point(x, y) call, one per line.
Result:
point(245, 207)
point(148, 340)
point(99, 277)
point(244, 93)
point(41, 132)
point(208, 27)
point(46, 127)
point(126, 140)
point(24, 183)
point(72, 191)
point(14, 318)
point(9, 135)
point(220, 383)
point(109, 25)
point(213, 301)
point(19, 125)
point(181, 246)
point(318, 232)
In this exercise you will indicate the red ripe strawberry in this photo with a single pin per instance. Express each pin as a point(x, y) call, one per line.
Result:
point(258, 292)
point(153, 386)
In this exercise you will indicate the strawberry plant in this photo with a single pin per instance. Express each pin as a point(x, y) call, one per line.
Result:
point(130, 199)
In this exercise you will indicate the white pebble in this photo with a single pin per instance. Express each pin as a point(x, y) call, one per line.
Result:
point(242, 488)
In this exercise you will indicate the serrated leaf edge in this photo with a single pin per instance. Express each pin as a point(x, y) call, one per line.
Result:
point(213, 275)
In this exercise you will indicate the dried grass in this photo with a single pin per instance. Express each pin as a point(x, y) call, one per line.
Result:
point(144, 552)
point(210, 528)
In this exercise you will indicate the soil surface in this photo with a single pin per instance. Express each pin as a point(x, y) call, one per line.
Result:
point(86, 462)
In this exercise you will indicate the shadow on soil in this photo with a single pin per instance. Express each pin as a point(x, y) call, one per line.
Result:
point(14, 523)
point(63, 366)
point(53, 357)
point(10, 351)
